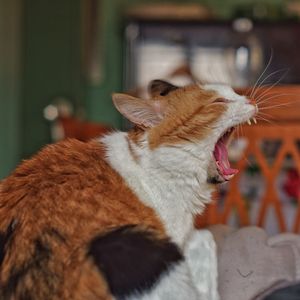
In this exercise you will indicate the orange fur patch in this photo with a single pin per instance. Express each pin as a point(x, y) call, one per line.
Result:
point(64, 197)
point(190, 114)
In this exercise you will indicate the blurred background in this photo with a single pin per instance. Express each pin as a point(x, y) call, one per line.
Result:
point(62, 59)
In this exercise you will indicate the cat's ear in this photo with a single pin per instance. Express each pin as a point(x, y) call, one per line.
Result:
point(160, 88)
point(141, 112)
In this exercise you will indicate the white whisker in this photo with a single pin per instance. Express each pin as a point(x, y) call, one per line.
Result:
point(266, 120)
point(264, 114)
point(272, 96)
point(264, 71)
point(275, 83)
point(277, 105)
point(270, 75)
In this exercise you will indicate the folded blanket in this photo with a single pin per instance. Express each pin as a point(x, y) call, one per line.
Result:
point(251, 264)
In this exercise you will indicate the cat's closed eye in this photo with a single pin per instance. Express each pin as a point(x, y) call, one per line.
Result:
point(221, 100)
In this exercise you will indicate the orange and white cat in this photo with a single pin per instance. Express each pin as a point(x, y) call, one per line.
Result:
point(110, 218)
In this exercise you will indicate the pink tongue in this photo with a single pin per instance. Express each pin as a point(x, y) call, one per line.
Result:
point(221, 156)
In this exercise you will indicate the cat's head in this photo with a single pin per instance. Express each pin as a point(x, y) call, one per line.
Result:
point(193, 118)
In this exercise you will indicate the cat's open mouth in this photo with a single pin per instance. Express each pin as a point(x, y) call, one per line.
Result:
point(221, 156)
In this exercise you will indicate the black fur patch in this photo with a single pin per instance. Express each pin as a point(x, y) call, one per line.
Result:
point(4, 238)
point(161, 87)
point(132, 259)
point(2, 247)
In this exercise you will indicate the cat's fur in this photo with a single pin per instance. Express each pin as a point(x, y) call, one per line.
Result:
point(109, 218)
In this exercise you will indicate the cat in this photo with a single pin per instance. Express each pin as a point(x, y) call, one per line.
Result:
point(109, 218)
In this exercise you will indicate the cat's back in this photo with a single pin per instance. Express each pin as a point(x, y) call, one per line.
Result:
point(51, 208)
point(74, 180)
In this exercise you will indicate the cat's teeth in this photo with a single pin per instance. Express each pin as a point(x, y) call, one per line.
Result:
point(254, 120)
point(249, 122)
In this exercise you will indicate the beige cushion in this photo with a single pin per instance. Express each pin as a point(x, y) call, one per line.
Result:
point(251, 265)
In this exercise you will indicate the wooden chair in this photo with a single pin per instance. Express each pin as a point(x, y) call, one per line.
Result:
point(80, 129)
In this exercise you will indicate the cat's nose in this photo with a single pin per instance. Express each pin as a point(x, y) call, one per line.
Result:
point(252, 101)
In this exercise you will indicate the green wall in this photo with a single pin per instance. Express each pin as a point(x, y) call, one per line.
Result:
point(99, 104)
point(10, 50)
point(51, 62)
point(40, 58)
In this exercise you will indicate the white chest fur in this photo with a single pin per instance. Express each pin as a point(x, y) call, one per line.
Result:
point(170, 180)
